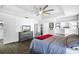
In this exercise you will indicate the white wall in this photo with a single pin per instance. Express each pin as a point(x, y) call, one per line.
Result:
point(12, 25)
point(58, 20)
point(71, 31)
point(68, 20)
point(46, 29)
point(10, 34)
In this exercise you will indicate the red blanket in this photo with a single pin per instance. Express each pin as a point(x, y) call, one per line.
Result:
point(42, 37)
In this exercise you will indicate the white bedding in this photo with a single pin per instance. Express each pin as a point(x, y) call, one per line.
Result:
point(71, 51)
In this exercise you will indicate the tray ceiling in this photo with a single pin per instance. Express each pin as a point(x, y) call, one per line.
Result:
point(31, 10)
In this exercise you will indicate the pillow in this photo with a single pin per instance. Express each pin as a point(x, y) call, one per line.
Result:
point(42, 37)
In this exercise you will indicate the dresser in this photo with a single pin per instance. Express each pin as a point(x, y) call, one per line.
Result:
point(25, 35)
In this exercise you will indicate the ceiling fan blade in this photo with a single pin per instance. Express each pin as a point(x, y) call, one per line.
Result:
point(49, 10)
point(26, 17)
point(45, 7)
point(40, 9)
point(47, 13)
point(37, 14)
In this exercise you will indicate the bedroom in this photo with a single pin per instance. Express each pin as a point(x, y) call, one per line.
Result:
point(22, 22)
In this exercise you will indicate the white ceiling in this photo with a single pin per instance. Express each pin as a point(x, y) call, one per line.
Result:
point(30, 10)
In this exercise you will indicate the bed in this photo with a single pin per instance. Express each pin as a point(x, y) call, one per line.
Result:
point(53, 45)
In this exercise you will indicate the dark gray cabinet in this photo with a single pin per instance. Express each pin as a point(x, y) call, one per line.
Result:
point(25, 35)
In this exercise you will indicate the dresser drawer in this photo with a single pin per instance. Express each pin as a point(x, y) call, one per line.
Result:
point(25, 35)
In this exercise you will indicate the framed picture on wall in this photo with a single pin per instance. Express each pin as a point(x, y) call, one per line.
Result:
point(51, 26)
point(26, 28)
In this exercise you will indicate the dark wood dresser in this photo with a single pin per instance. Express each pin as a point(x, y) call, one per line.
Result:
point(25, 35)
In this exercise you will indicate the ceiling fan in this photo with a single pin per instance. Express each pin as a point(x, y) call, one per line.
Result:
point(43, 11)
